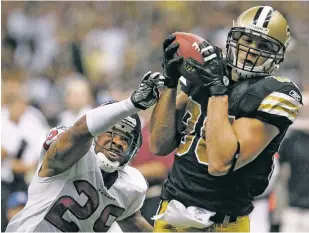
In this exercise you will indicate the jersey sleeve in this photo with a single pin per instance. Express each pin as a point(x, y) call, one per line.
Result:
point(134, 189)
point(135, 205)
point(281, 107)
point(275, 102)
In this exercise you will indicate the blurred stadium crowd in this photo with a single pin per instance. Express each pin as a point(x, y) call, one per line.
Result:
point(59, 59)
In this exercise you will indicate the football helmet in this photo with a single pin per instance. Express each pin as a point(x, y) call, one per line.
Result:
point(267, 25)
point(130, 129)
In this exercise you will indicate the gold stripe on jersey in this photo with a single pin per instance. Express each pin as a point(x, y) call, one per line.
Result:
point(286, 98)
point(280, 104)
point(283, 101)
point(277, 110)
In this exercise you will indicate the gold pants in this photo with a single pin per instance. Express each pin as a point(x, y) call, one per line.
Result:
point(241, 225)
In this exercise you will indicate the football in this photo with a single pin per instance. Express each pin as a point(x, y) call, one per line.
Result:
point(188, 46)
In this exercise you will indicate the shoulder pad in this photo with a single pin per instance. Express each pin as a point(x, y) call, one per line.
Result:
point(273, 99)
point(275, 82)
point(264, 87)
point(135, 177)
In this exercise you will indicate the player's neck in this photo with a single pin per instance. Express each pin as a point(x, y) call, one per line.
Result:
point(109, 178)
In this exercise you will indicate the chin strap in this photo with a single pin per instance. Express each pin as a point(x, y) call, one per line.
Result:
point(235, 158)
point(105, 164)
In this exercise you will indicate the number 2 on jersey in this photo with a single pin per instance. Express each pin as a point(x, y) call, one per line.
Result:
point(67, 203)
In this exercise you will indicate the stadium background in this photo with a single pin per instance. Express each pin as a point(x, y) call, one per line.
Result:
point(59, 59)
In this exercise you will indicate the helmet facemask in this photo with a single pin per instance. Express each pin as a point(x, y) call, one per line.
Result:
point(264, 61)
point(129, 131)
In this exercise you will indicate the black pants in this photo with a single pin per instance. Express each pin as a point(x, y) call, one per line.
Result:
point(149, 208)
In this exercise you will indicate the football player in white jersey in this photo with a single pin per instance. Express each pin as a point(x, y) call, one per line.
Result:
point(82, 182)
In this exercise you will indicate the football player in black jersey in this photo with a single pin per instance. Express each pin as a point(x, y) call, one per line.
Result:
point(226, 126)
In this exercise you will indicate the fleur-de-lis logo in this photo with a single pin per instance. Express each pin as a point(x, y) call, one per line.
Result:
point(288, 32)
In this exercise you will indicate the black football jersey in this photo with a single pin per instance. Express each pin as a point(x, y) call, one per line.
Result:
point(274, 100)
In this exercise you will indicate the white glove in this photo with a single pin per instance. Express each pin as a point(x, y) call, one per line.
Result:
point(147, 94)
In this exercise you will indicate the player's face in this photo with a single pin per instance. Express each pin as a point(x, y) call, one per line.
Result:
point(113, 144)
point(255, 42)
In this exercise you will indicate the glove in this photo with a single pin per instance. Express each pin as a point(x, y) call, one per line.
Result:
point(212, 74)
point(171, 65)
point(147, 93)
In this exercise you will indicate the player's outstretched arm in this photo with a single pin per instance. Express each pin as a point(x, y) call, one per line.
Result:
point(163, 120)
point(72, 144)
point(135, 223)
point(163, 129)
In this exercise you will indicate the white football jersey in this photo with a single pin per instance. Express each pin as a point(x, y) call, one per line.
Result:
point(80, 199)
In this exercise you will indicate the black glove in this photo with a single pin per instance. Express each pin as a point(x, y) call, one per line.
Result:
point(147, 94)
point(212, 74)
point(170, 64)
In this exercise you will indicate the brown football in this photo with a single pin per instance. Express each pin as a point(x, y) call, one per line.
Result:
point(188, 45)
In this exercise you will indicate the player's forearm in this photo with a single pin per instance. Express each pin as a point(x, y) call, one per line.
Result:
point(76, 141)
point(135, 223)
point(221, 140)
point(99, 120)
point(163, 123)
point(103, 118)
